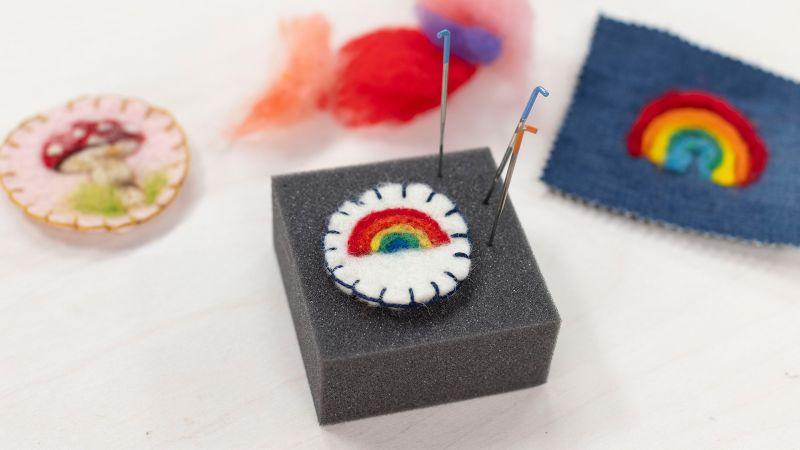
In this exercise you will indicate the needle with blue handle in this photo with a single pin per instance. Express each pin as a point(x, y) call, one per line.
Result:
point(520, 125)
point(521, 129)
point(443, 108)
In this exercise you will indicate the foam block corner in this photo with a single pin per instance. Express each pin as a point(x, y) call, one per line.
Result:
point(497, 333)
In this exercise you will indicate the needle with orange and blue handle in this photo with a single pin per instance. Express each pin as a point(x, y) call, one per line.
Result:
point(518, 133)
point(521, 124)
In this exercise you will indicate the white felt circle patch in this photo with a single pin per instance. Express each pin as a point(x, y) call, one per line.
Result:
point(398, 245)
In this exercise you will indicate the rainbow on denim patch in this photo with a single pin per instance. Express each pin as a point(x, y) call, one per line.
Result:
point(684, 129)
point(668, 131)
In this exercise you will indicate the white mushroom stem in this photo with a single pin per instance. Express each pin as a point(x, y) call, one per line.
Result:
point(111, 171)
point(105, 163)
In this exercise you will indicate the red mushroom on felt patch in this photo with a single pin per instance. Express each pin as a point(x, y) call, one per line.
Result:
point(97, 148)
point(103, 163)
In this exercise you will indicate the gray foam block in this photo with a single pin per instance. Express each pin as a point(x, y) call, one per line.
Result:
point(496, 334)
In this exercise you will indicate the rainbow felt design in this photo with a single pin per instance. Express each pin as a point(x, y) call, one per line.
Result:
point(395, 229)
point(398, 246)
point(680, 129)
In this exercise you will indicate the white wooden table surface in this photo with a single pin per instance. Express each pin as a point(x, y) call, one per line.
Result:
point(178, 335)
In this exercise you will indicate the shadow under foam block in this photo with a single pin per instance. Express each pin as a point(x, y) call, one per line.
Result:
point(497, 333)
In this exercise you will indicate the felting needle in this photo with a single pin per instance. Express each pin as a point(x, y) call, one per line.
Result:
point(521, 129)
point(443, 107)
point(523, 118)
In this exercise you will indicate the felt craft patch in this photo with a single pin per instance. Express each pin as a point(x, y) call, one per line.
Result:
point(398, 246)
point(666, 131)
point(96, 163)
point(682, 129)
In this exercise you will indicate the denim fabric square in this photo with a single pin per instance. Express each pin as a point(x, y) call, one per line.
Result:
point(627, 68)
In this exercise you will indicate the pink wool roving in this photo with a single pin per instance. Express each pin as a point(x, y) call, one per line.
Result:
point(307, 74)
point(391, 74)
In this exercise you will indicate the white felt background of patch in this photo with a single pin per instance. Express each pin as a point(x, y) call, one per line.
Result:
point(398, 272)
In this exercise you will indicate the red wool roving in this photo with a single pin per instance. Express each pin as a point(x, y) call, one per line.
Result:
point(390, 75)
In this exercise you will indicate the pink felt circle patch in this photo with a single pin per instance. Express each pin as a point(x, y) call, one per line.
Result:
point(96, 163)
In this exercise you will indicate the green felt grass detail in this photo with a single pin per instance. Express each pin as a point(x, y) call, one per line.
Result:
point(152, 185)
point(100, 199)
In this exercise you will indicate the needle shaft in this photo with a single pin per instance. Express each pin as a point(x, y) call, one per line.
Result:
point(507, 182)
point(443, 106)
point(501, 167)
point(523, 118)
